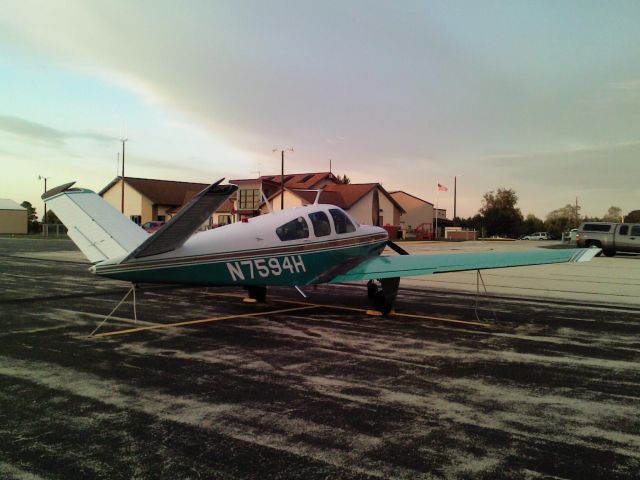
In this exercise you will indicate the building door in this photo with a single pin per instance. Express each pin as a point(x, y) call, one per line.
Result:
point(375, 209)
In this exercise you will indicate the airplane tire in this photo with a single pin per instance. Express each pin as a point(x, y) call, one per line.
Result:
point(372, 289)
point(257, 292)
point(382, 304)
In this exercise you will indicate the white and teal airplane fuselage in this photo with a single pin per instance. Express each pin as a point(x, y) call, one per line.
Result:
point(251, 253)
point(297, 246)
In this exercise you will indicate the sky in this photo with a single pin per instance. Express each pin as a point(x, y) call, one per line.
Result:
point(542, 97)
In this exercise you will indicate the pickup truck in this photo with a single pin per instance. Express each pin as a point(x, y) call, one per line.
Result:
point(610, 237)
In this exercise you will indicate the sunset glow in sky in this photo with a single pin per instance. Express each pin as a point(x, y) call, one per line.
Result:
point(539, 96)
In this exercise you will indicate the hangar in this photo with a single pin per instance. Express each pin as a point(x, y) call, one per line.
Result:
point(13, 217)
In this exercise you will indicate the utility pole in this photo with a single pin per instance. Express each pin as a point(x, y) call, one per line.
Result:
point(40, 177)
point(123, 140)
point(455, 178)
point(282, 174)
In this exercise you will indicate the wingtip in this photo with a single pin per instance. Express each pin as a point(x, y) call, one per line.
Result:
point(586, 254)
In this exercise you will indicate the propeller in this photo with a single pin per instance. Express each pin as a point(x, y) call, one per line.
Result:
point(396, 248)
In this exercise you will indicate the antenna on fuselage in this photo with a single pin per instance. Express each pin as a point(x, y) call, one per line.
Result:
point(265, 200)
point(318, 192)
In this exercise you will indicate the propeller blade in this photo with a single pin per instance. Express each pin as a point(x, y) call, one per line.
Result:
point(396, 248)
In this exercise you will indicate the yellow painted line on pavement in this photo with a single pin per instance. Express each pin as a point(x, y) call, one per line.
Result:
point(204, 320)
point(303, 306)
point(440, 319)
point(393, 313)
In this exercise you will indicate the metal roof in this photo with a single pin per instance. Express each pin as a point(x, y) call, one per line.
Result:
point(8, 204)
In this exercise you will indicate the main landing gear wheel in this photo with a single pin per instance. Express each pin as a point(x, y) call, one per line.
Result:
point(257, 292)
point(383, 298)
point(372, 289)
point(382, 304)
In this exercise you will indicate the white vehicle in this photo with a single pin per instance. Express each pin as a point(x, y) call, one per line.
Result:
point(536, 236)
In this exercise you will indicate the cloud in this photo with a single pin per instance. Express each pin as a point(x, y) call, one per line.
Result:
point(31, 131)
point(39, 134)
point(628, 85)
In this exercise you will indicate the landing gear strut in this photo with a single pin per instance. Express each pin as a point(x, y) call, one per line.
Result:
point(257, 292)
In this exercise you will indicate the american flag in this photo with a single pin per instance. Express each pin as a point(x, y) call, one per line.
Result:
point(442, 188)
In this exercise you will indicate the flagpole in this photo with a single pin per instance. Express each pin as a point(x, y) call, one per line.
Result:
point(437, 193)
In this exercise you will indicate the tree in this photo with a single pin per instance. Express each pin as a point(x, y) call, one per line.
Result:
point(499, 212)
point(51, 218)
point(531, 224)
point(472, 223)
point(33, 226)
point(633, 216)
point(562, 219)
point(343, 179)
point(614, 214)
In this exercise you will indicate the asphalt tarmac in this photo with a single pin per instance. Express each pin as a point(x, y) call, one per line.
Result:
point(204, 386)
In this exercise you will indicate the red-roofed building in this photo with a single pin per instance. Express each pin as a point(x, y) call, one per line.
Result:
point(248, 199)
point(152, 200)
point(368, 203)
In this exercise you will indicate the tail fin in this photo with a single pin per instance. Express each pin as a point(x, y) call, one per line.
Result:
point(99, 230)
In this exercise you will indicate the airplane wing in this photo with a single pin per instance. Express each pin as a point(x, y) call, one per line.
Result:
point(412, 265)
point(177, 230)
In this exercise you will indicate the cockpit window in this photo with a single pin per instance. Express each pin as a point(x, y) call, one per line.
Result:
point(293, 230)
point(321, 225)
point(341, 221)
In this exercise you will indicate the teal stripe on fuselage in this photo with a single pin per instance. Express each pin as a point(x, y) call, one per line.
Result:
point(296, 268)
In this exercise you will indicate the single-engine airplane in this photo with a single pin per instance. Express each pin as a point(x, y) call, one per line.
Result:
point(296, 247)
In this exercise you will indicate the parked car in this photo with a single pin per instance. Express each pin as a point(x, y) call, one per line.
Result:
point(537, 236)
point(153, 227)
point(610, 237)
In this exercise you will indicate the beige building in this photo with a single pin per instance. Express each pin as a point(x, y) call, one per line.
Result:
point(13, 217)
point(149, 199)
point(418, 212)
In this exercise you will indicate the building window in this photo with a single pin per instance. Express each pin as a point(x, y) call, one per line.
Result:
point(136, 219)
point(249, 199)
point(224, 219)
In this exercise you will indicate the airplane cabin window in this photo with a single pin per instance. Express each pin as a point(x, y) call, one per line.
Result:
point(293, 230)
point(321, 225)
point(341, 221)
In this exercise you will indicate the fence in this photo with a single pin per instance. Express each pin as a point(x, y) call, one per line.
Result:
point(53, 229)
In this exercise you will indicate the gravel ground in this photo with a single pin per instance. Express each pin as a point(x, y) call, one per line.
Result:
point(538, 388)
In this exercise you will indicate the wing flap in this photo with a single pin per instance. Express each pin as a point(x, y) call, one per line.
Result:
point(413, 265)
point(176, 231)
